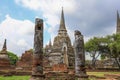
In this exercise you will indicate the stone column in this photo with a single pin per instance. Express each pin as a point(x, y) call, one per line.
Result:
point(37, 68)
point(65, 57)
point(79, 55)
point(65, 54)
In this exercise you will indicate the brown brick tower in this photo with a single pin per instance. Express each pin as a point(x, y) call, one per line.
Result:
point(37, 69)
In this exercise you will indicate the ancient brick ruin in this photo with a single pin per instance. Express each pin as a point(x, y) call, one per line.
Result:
point(25, 62)
point(80, 69)
point(59, 56)
point(37, 67)
point(61, 51)
point(4, 59)
point(58, 62)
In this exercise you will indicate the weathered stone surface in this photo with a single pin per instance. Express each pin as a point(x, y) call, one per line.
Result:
point(40, 77)
point(4, 49)
point(25, 62)
point(60, 68)
point(59, 76)
point(37, 69)
point(55, 58)
point(79, 55)
point(4, 59)
point(4, 63)
point(61, 51)
point(60, 55)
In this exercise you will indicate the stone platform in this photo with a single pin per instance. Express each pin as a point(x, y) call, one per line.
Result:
point(37, 77)
point(59, 76)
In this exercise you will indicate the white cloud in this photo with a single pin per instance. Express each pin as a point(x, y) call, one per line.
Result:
point(32, 4)
point(49, 6)
point(12, 26)
point(92, 18)
point(51, 9)
point(23, 44)
point(19, 34)
point(27, 28)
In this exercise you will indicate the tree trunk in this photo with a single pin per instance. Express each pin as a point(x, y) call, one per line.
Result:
point(118, 63)
point(94, 58)
point(94, 62)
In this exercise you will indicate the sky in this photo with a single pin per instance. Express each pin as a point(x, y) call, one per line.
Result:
point(91, 17)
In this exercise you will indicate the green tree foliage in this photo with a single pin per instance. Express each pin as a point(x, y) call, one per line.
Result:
point(13, 57)
point(108, 46)
point(92, 47)
point(102, 56)
point(114, 47)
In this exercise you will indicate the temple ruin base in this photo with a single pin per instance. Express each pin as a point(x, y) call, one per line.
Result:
point(37, 77)
point(82, 77)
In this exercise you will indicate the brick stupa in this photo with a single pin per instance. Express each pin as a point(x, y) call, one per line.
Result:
point(4, 59)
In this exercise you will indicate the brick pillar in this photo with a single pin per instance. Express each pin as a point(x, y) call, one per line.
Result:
point(37, 68)
point(80, 70)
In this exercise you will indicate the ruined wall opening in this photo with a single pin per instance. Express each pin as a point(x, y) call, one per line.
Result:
point(39, 28)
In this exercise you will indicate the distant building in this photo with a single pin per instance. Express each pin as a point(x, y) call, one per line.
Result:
point(118, 23)
point(61, 52)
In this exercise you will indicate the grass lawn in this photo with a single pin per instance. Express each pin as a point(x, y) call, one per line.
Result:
point(15, 78)
point(98, 74)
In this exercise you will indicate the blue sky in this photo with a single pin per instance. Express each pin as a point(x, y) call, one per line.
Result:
point(10, 9)
point(15, 11)
point(91, 17)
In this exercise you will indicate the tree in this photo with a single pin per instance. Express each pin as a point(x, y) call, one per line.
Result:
point(102, 56)
point(114, 47)
point(110, 47)
point(13, 58)
point(92, 47)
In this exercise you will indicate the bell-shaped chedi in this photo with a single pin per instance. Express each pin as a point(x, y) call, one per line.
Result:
point(4, 59)
point(61, 51)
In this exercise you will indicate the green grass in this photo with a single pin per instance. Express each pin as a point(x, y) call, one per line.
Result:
point(15, 78)
point(98, 74)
